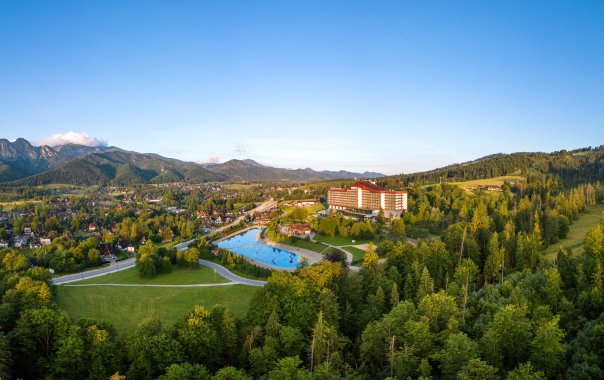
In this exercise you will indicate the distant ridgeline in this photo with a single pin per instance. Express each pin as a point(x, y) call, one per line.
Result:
point(584, 165)
point(22, 164)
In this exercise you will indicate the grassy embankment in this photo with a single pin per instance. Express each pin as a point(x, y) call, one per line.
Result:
point(576, 236)
point(357, 254)
point(339, 240)
point(125, 307)
point(178, 276)
point(307, 244)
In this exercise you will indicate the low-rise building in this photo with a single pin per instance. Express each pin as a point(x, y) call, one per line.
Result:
point(295, 229)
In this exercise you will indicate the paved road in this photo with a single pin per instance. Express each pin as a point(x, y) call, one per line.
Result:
point(261, 208)
point(160, 285)
point(230, 275)
point(116, 267)
point(130, 263)
point(184, 245)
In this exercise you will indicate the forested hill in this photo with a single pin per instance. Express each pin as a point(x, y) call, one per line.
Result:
point(23, 164)
point(572, 167)
point(121, 167)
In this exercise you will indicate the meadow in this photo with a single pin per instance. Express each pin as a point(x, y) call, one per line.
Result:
point(576, 236)
point(339, 240)
point(495, 181)
point(178, 276)
point(125, 307)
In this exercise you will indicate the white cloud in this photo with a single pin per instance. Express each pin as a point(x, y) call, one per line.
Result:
point(210, 160)
point(80, 138)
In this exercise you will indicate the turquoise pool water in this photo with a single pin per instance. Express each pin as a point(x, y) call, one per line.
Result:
point(246, 244)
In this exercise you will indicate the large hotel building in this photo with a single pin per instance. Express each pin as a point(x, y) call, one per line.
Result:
point(365, 196)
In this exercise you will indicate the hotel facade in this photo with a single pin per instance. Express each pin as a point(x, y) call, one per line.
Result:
point(364, 197)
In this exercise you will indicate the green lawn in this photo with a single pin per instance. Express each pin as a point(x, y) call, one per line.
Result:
point(313, 209)
point(125, 307)
point(587, 220)
point(357, 254)
point(339, 240)
point(307, 244)
point(178, 276)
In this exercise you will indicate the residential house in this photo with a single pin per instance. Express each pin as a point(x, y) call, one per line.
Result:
point(295, 229)
point(19, 241)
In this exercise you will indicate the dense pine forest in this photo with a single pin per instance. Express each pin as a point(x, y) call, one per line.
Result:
point(476, 298)
point(570, 167)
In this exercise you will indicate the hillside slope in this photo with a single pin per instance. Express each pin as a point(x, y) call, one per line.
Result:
point(121, 168)
point(572, 167)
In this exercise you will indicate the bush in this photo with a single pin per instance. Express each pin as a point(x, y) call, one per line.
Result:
point(417, 232)
point(335, 256)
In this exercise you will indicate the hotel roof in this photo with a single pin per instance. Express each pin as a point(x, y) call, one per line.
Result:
point(368, 186)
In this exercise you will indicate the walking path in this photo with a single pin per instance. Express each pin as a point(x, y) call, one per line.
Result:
point(115, 267)
point(312, 256)
point(230, 275)
point(342, 248)
point(159, 285)
point(130, 263)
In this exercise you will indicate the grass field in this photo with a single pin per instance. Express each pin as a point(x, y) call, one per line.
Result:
point(587, 220)
point(238, 186)
point(339, 240)
point(125, 307)
point(312, 209)
point(496, 181)
point(357, 254)
point(178, 276)
point(307, 244)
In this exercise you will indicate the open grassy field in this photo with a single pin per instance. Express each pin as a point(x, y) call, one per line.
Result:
point(125, 307)
point(312, 209)
point(339, 240)
point(495, 181)
point(307, 244)
point(178, 276)
point(238, 186)
point(357, 254)
point(587, 220)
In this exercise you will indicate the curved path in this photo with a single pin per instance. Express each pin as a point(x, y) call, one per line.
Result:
point(230, 275)
point(130, 263)
point(160, 285)
point(116, 267)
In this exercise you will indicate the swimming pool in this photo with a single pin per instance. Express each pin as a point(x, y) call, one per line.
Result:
point(246, 244)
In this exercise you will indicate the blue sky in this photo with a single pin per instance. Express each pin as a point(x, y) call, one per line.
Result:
point(390, 86)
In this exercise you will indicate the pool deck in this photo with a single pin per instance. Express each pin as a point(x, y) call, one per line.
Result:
point(312, 256)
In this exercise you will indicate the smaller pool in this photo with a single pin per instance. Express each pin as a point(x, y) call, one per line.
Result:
point(246, 244)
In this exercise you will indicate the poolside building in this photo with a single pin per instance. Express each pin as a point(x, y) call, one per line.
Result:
point(365, 198)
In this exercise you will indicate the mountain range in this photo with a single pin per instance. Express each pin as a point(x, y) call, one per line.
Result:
point(23, 164)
